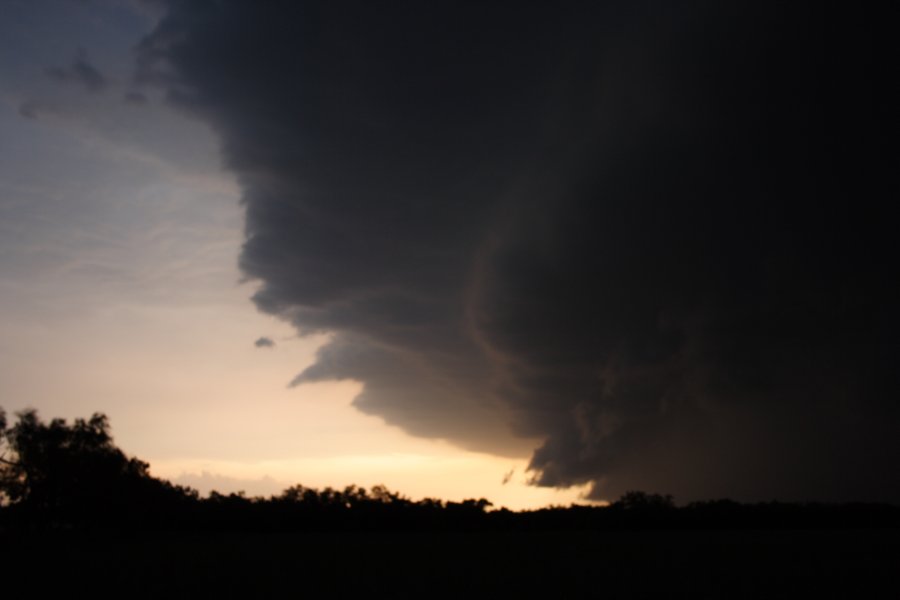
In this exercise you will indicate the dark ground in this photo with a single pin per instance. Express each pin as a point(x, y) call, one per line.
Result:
point(617, 564)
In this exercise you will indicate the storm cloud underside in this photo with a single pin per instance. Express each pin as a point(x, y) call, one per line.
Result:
point(654, 238)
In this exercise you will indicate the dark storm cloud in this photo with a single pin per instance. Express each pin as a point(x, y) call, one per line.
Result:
point(656, 237)
point(264, 342)
point(80, 72)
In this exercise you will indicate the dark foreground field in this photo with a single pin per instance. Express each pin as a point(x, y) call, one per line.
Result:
point(619, 564)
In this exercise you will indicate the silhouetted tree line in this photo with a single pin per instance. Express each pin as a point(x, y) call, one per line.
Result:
point(59, 476)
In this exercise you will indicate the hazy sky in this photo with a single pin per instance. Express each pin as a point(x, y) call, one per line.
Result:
point(609, 247)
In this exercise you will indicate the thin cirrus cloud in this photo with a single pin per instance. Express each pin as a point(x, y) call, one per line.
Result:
point(80, 72)
point(644, 241)
point(135, 98)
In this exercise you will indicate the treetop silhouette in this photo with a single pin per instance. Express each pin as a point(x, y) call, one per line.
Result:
point(58, 475)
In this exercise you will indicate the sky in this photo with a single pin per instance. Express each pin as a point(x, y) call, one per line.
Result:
point(532, 253)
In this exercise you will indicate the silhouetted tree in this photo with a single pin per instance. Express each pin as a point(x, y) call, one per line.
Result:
point(59, 475)
point(642, 501)
point(7, 474)
point(62, 475)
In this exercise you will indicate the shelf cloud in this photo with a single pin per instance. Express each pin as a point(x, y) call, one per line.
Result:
point(648, 243)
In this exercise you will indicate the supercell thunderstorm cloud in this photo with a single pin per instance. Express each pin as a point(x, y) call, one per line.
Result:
point(650, 243)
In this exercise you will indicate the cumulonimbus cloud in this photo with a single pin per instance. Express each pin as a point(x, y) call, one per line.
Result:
point(648, 243)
